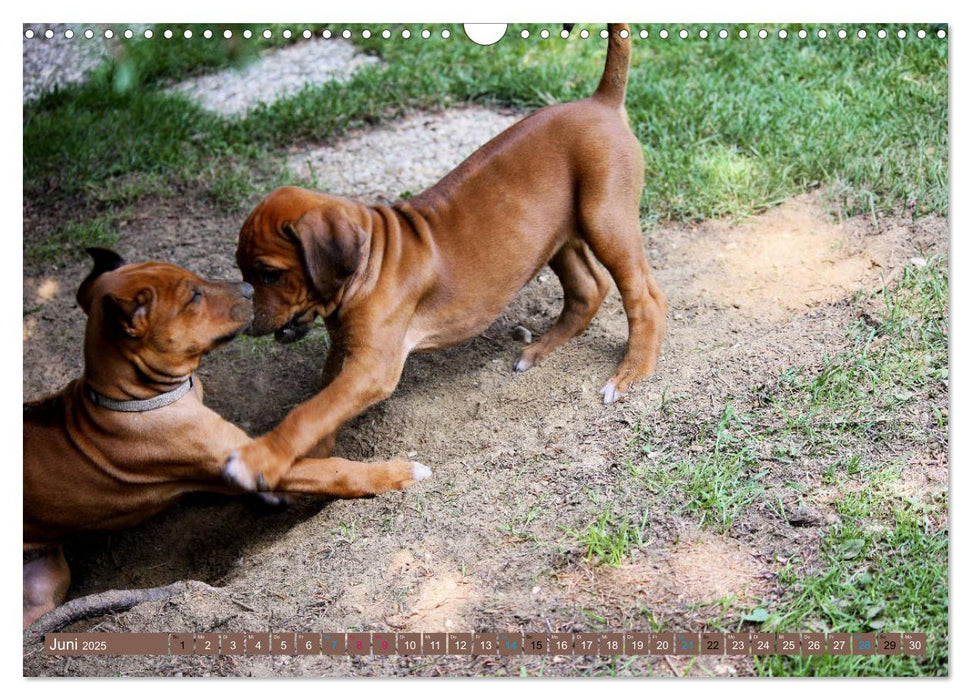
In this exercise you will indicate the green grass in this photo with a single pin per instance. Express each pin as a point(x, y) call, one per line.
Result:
point(850, 424)
point(610, 537)
point(889, 578)
point(727, 126)
point(716, 485)
point(70, 240)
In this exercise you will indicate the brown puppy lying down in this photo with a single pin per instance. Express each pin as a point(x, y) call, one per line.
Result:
point(130, 436)
point(562, 187)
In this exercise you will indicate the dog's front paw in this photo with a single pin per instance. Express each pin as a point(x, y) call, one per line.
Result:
point(250, 468)
point(236, 473)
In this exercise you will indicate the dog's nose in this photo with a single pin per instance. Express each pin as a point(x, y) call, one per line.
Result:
point(246, 289)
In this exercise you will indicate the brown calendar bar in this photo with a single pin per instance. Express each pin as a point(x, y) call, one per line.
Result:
point(121, 644)
point(371, 644)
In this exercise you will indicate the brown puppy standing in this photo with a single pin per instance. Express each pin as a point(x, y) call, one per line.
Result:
point(130, 436)
point(561, 187)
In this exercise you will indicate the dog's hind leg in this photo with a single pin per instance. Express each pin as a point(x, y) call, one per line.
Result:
point(585, 285)
point(46, 580)
point(614, 235)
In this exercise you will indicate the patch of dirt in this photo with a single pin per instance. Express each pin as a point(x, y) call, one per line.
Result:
point(518, 461)
point(702, 569)
point(789, 260)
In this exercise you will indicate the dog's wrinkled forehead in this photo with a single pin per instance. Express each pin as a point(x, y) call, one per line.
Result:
point(262, 234)
point(165, 278)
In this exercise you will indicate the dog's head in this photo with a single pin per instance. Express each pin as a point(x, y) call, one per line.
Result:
point(161, 317)
point(299, 249)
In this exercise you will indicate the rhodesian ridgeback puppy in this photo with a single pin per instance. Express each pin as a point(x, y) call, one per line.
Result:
point(562, 187)
point(130, 436)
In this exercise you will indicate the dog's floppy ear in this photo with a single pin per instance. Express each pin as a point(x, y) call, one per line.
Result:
point(104, 261)
point(130, 316)
point(330, 248)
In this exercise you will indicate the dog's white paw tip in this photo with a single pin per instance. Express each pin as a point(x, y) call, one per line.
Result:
point(610, 393)
point(236, 473)
point(521, 366)
point(419, 471)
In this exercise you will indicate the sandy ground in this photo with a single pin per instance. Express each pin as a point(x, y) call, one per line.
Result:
point(519, 461)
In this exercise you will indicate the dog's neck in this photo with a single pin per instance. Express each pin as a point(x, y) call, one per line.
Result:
point(126, 380)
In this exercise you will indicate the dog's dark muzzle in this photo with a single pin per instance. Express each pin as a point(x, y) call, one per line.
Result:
point(293, 331)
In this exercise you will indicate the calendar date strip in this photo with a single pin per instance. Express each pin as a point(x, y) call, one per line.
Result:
point(486, 644)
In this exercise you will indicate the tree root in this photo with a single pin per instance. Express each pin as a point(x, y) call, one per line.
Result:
point(99, 604)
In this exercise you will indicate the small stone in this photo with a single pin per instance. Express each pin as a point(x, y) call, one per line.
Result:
point(918, 262)
point(805, 517)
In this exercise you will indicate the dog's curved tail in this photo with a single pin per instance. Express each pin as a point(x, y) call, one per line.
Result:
point(613, 84)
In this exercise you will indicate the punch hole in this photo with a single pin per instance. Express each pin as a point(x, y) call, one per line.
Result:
point(88, 34)
point(247, 34)
point(346, 33)
point(803, 33)
point(921, 33)
point(623, 34)
point(485, 34)
point(723, 34)
point(743, 34)
point(405, 34)
point(584, 34)
point(545, 34)
point(841, 33)
point(861, 34)
point(446, 34)
point(207, 34)
point(307, 33)
point(386, 34)
point(325, 34)
point(941, 34)
point(425, 34)
point(783, 33)
point(167, 33)
point(763, 34)
point(683, 34)
point(228, 34)
point(703, 33)
point(187, 34)
point(821, 33)
point(29, 34)
point(287, 34)
point(882, 34)
point(49, 33)
point(901, 34)
point(149, 33)
point(524, 34)
point(603, 33)
point(644, 34)
point(129, 34)
point(366, 34)
point(267, 34)
point(663, 33)
point(69, 34)
point(109, 34)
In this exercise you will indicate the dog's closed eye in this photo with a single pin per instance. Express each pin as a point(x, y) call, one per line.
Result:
point(267, 276)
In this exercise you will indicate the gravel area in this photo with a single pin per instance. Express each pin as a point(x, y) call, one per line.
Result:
point(405, 156)
point(59, 61)
point(278, 73)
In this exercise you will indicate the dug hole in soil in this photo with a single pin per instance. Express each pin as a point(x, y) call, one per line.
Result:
point(519, 461)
